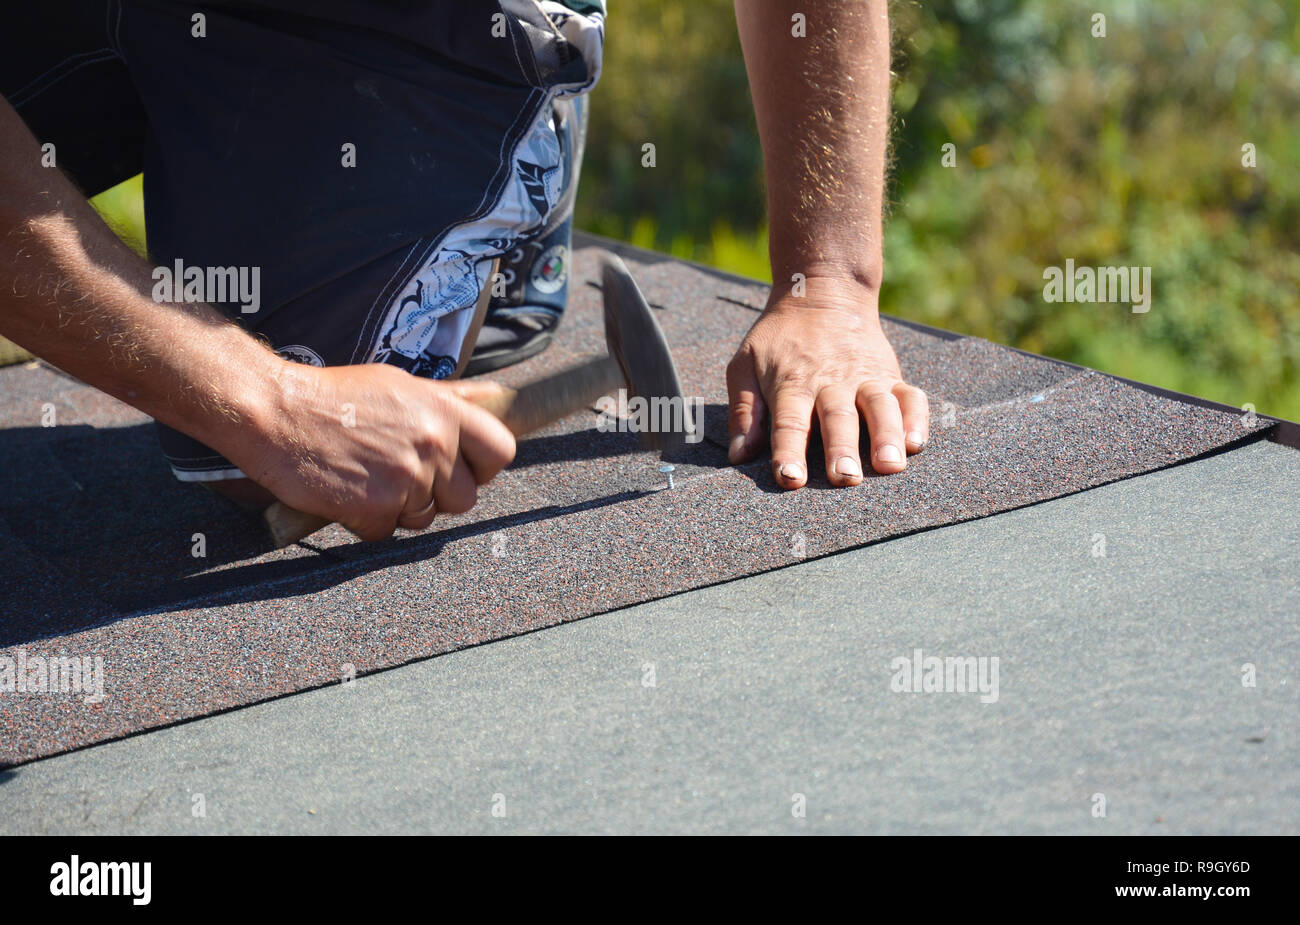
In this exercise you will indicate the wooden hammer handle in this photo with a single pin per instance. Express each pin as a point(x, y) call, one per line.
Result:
point(545, 401)
point(523, 411)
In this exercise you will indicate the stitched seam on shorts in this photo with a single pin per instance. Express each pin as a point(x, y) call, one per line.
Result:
point(117, 32)
point(372, 340)
point(22, 97)
point(108, 23)
point(362, 336)
point(505, 161)
point(536, 77)
point(505, 158)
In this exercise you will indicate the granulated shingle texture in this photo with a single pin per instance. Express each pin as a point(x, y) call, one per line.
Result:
point(99, 541)
point(1118, 674)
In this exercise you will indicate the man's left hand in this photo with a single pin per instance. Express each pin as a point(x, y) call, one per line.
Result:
point(822, 353)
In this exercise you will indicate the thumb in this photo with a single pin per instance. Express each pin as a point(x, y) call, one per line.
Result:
point(483, 393)
point(476, 391)
point(747, 409)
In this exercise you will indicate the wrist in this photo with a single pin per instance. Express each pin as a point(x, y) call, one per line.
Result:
point(247, 408)
point(842, 292)
point(835, 257)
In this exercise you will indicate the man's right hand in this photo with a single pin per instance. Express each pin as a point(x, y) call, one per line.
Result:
point(371, 446)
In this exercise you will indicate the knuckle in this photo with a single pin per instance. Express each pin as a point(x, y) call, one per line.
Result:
point(913, 393)
point(742, 403)
point(406, 472)
point(384, 503)
point(789, 423)
point(425, 439)
point(436, 440)
point(743, 358)
point(406, 468)
point(796, 381)
point(875, 398)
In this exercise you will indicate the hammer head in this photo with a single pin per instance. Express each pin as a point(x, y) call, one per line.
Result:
point(637, 342)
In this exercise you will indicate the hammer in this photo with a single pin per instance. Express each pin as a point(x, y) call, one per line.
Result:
point(638, 360)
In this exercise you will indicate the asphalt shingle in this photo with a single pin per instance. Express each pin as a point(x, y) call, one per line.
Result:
point(581, 524)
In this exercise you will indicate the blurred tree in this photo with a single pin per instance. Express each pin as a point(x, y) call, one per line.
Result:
point(674, 78)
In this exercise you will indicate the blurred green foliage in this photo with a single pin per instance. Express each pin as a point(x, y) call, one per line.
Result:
point(122, 207)
point(1117, 151)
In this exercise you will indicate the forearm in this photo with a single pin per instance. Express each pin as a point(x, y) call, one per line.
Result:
point(71, 293)
point(822, 104)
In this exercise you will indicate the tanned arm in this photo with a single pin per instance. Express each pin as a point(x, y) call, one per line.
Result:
point(71, 293)
point(822, 104)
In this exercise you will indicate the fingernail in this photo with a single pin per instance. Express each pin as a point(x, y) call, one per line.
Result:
point(848, 467)
point(737, 444)
point(889, 453)
point(916, 438)
point(791, 472)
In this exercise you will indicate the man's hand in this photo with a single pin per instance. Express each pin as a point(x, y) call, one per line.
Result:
point(369, 446)
point(821, 97)
point(372, 446)
point(822, 356)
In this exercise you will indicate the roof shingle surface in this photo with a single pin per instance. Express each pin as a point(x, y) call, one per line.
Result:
point(98, 538)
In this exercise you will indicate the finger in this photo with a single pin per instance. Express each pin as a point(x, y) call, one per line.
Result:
point(839, 421)
point(792, 410)
point(745, 418)
point(915, 407)
point(457, 492)
point(485, 443)
point(422, 518)
point(373, 528)
point(387, 499)
point(885, 424)
point(421, 507)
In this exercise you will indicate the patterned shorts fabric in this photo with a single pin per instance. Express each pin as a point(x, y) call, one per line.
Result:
point(360, 162)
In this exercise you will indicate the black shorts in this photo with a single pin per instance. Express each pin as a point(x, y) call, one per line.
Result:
point(345, 169)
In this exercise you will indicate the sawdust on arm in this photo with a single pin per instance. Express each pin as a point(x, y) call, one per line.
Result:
point(822, 105)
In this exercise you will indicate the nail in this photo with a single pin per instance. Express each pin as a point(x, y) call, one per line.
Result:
point(668, 471)
point(916, 438)
point(791, 472)
point(889, 454)
point(848, 467)
point(737, 444)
